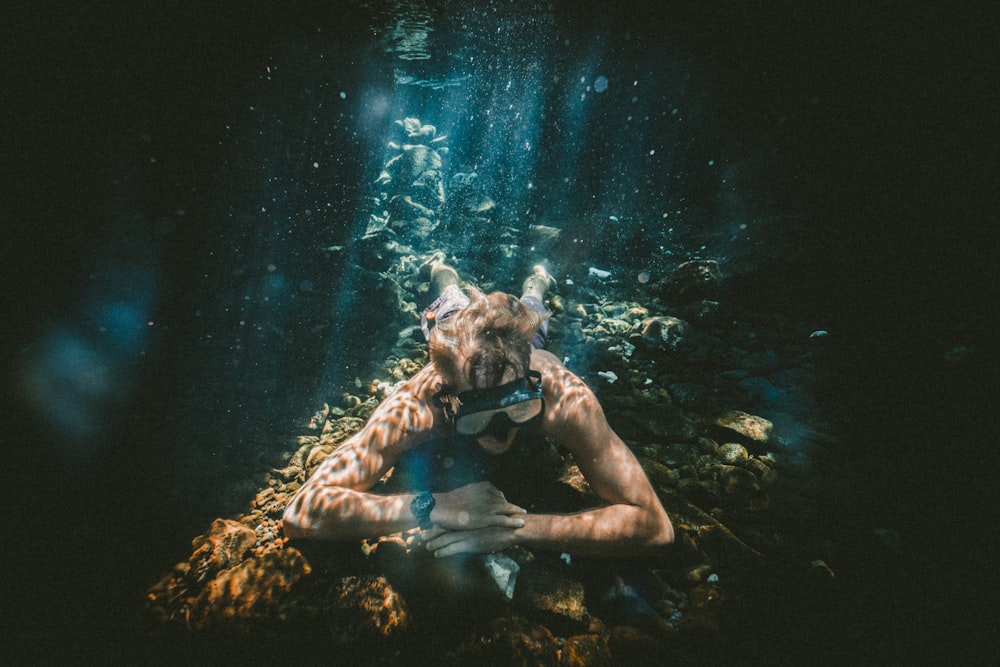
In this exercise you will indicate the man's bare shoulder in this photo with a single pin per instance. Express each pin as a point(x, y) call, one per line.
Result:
point(407, 416)
point(568, 398)
point(559, 377)
point(422, 385)
point(542, 360)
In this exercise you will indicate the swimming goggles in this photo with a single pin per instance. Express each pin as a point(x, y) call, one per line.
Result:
point(519, 401)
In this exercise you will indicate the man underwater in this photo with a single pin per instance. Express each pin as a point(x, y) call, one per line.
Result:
point(487, 380)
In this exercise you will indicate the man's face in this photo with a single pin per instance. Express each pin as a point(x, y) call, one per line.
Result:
point(497, 444)
point(494, 441)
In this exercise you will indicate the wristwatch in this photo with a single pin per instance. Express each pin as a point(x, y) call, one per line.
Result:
point(421, 506)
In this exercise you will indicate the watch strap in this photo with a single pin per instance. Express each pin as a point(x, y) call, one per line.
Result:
point(421, 506)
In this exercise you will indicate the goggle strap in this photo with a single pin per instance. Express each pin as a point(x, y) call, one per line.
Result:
point(441, 399)
point(534, 378)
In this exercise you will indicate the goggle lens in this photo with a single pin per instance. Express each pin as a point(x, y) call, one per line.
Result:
point(477, 422)
point(520, 400)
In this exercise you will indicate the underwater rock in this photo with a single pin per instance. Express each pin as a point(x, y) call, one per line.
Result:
point(542, 234)
point(630, 600)
point(403, 210)
point(660, 476)
point(270, 502)
point(666, 331)
point(467, 196)
point(747, 425)
point(253, 589)
point(697, 574)
point(367, 607)
point(551, 596)
point(733, 453)
point(414, 129)
point(695, 279)
point(687, 394)
point(703, 616)
point(510, 640)
point(706, 495)
point(225, 545)
point(661, 422)
point(473, 202)
point(610, 376)
point(310, 454)
point(416, 172)
point(598, 273)
point(741, 488)
point(760, 468)
point(573, 478)
point(631, 646)
point(504, 570)
point(586, 651)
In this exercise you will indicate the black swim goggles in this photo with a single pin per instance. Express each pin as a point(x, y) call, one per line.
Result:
point(519, 401)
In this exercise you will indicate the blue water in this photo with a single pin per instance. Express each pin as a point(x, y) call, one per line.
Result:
point(189, 279)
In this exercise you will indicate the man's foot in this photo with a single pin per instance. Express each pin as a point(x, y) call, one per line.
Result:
point(424, 271)
point(438, 273)
point(538, 283)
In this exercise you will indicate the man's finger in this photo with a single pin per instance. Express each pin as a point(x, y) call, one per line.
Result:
point(452, 549)
point(514, 509)
point(443, 540)
point(432, 532)
point(509, 521)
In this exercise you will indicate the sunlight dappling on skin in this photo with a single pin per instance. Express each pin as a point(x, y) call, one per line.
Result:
point(606, 457)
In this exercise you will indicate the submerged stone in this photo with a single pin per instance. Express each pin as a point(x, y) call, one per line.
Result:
point(586, 651)
point(550, 595)
point(253, 589)
point(510, 641)
point(665, 330)
point(750, 426)
point(687, 394)
point(733, 453)
point(695, 279)
point(225, 545)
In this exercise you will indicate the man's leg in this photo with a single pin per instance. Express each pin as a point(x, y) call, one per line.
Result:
point(533, 292)
point(440, 274)
point(444, 284)
point(538, 283)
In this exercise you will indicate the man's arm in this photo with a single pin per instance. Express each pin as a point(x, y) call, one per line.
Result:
point(633, 525)
point(334, 503)
point(632, 522)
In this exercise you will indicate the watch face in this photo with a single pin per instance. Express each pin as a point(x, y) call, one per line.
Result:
point(421, 507)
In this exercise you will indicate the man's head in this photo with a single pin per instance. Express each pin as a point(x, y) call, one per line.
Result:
point(487, 344)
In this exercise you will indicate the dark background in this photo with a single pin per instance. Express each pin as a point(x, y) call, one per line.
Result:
point(904, 188)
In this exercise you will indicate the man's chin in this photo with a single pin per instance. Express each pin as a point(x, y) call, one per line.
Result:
point(494, 445)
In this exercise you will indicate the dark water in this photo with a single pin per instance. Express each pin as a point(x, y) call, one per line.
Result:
point(173, 314)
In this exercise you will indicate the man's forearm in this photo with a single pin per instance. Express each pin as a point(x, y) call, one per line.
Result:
point(336, 513)
point(609, 531)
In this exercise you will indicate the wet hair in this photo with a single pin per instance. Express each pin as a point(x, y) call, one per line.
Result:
point(492, 334)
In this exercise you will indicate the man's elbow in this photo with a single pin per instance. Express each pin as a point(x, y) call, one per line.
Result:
point(665, 536)
point(292, 521)
point(662, 534)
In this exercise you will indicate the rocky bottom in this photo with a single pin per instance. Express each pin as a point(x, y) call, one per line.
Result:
point(724, 409)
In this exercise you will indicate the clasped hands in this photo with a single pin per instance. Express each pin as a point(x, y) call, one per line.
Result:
point(475, 518)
